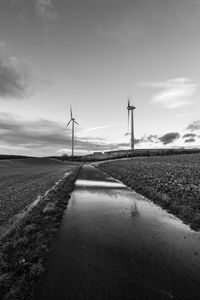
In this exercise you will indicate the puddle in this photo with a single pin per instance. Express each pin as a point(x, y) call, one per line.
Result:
point(97, 183)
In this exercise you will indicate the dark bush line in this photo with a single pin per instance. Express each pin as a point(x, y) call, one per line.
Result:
point(108, 155)
point(187, 210)
point(5, 156)
point(24, 249)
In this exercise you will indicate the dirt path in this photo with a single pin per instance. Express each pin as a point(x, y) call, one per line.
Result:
point(114, 244)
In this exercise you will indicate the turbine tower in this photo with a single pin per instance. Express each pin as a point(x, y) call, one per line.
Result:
point(131, 108)
point(73, 121)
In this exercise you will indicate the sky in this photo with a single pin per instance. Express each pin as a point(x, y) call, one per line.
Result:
point(92, 55)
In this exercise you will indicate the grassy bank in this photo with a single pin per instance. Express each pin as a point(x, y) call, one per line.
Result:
point(172, 182)
point(24, 248)
point(22, 180)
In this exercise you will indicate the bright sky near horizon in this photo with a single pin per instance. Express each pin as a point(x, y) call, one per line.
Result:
point(92, 54)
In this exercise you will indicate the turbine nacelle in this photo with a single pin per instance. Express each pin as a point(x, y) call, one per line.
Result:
point(131, 107)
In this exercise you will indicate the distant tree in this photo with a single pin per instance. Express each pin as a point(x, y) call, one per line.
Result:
point(65, 156)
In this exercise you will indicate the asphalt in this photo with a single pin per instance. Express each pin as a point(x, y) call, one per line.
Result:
point(115, 244)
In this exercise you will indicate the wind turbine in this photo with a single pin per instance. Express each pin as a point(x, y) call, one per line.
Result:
point(73, 121)
point(131, 108)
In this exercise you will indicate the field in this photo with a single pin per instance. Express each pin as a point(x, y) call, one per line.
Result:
point(24, 248)
point(23, 180)
point(173, 182)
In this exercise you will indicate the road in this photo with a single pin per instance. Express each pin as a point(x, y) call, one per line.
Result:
point(114, 244)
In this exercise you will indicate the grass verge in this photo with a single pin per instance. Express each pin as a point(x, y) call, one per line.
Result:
point(24, 249)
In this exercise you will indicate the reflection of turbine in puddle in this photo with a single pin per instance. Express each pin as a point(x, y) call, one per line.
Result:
point(134, 210)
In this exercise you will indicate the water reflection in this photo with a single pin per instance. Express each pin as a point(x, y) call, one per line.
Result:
point(134, 210)
point(97, 183)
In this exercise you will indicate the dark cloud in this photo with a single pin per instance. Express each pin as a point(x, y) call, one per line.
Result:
point(127, 133)
point(152, 138)
point(43, 134)
point(138, 141)
point(194, 126)
point(169, 137)
point(190, 140)
point(14, 76)
point(121, 145)
point(17, 131)
point(189, 135)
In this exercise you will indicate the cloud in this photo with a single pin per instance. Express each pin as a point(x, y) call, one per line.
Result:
point(189, 135)
point(190, 140)
point(46, 10)
point(194, 126)
point(126, 145)
point(41, 135)
point(15, 130)
point(152, 138)
point(173, 93)
point(46, 137)
point(136, 141)
point(155, 139)
point(170, 137)
point(14, 77)
point(127, 133)
point(103, 127)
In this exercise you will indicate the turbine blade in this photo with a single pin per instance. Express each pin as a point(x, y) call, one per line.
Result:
point(129, 101)
point(76, 122)
point(68, 123)
point(71, 112)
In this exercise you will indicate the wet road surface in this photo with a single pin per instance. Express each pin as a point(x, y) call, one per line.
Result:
point(114, 244)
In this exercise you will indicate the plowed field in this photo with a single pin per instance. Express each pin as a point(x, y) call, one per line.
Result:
point(171, 181)
point(23, 180)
